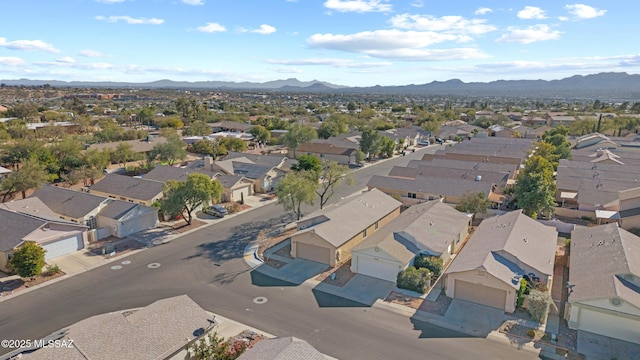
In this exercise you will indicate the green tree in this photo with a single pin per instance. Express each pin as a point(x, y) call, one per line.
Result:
point(185, 197)
point(474, 203)
point(295, 189)
point(538, 304)
point(234, 144)
point(387, 147)
point(370, 142)
point(197, 128)
point(145, 115)
point(413, 279)
point(432, 263)
point(25, 110)
point(334, 125)
point(260, 134)
point(535, 190)
point(170, 152)
point(201, 147)
point(332, 175)
point(97, 159)
point(298, 134)
point(310, 163)
point(30, 176)
point(28, 260)
point(122, 154)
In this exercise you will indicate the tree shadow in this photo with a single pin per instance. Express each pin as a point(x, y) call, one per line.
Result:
point(241, 235)
point(228, 277)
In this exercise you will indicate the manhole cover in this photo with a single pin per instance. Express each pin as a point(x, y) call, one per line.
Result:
point(153, 265)
point(116, 267)
point(260, 300)
point(126, 262)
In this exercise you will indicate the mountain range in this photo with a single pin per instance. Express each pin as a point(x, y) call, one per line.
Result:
point(612, 85)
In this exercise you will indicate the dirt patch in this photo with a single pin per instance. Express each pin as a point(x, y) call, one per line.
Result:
point(565, 340)
point(403, 299)
point(265, 242)
point(118, 246)
point(10, 286)
point(182, 226)
point(342, 275)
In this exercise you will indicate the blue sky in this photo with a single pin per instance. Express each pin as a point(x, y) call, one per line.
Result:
point(346, 42)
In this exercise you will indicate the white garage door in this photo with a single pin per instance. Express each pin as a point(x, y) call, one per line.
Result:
point(480, 294)
point(62, 247)
point(140, 223)
point(609, 325)
point(240, 194)
point(313, 253)
point(376, 268)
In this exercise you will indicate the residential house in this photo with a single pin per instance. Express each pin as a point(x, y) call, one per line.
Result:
point(501, 252)
point(343, 152)
point(426, 188)
point(235, 187)
point(57, 237)
point(230, 126)
point(141, 146)
point(499, 179)
point(264, 177)
point(286, 348)
point(604, 282)
point(4, 172)
point(103, 216)
point(560, 119)
point(594, 141)
point(430, 228)
point(127, 188)
point(328, 235)
point(162, 330)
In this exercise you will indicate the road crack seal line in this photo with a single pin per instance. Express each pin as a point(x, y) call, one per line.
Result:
point(260, 300)
point(153, 265)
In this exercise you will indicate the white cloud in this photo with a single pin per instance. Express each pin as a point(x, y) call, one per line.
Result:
point(287, 70)
point(529, 35)
point(483, 11)
point(584, 11)
point(89, 53)
point(11, 61)
point(446, 24)
point(110, 1)
point(130, 20)
point(193, 2)
point(339, 63)
point(418, 3)
point(28, 45)
point(212, 27)
point(532, 12)
point(66, 60)
point(563, 18)
point(359, 6)
point(429, 54)
point(264, 29)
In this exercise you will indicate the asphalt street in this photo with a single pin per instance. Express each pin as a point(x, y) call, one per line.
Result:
point(208, 266)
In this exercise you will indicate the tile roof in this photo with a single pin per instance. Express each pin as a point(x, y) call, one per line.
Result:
point(430, 226)
point(342, 225)
point(134, 188)
point(156, 331)
point(503, 243)
point(67, 202)
point(288, 348)
point(601, 256)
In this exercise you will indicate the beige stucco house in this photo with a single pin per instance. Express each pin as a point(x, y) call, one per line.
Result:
point(604, 282)
point(503, 250)
point(431, 228)
point(328, 235)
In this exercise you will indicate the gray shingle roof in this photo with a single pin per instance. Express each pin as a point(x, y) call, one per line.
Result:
point(66, 202)
point(274, 160)
point(153, 332)
point(288, 348)
point(134, 188)
point(601, 256)
point(32, 206)
point(250, 171)
point(502, 243)
point(164, 173)
point(429, 226)
point(497, 178)
point(229, 181)
point(462, 164)
point(119, 210)
point(138, 146)
point(14, 227)
point(342, 225)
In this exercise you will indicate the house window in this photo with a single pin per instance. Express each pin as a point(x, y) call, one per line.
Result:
point(364, 234)
point(91, 223)
point(412, 195)
point(376, 226)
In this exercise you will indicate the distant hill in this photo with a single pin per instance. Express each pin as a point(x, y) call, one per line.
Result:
point(601, 86)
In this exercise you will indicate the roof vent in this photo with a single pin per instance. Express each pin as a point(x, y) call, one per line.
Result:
point(479, 177)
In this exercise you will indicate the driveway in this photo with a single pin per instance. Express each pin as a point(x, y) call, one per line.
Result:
point(600, 347)
point(473, 318)
point(296, 271)
point(361, 288)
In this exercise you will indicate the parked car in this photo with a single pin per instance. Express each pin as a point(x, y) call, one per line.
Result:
point(439, 141)
point(217, 211)
point(424, 142)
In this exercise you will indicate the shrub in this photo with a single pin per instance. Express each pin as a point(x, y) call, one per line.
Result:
point(531, 333)
point(539, 302)
point(521, 291)
point(431, 263)
point(53, 269)
point(28, 260)
point(234, 208)
point(414, 279)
